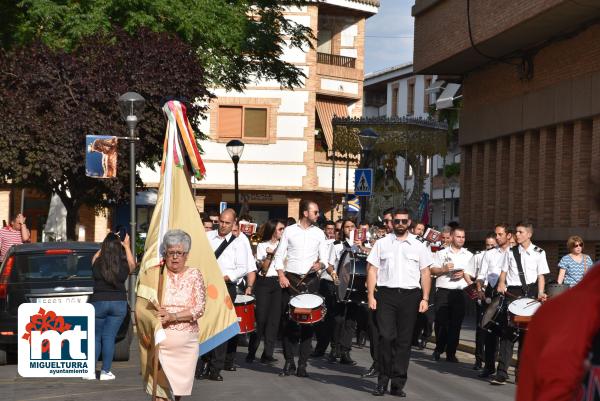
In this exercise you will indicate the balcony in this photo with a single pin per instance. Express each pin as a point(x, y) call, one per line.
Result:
point(334, 59)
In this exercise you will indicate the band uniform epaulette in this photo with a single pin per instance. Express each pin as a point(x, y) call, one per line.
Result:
point(538, 249)
point(421, 238)
point(337, 242)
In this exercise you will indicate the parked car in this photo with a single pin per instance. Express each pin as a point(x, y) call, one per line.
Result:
point(48, 273)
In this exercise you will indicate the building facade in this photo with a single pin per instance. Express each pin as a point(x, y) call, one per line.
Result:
point(288, 133)
point(530, 120)
point(399, 92)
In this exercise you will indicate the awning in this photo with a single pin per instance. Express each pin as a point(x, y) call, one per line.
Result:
point(326, 110)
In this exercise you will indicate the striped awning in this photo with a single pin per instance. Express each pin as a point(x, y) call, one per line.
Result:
point(327, 110)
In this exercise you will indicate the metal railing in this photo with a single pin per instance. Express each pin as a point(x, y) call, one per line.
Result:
point(334, 59)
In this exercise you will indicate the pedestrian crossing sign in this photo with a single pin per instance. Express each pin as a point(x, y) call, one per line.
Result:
point(363, 182)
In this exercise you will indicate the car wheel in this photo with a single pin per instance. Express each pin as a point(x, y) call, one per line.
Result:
point(3, 356)
point(122, 347)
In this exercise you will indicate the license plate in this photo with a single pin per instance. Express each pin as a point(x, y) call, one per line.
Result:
point(80, 299)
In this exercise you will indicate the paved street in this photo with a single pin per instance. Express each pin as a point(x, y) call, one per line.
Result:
point(428, 380)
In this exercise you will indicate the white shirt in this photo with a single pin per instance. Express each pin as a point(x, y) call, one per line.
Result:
point(534, 262)
point(399, 262)
point(491, 265)
point(261, 254)
point(302, 247)
point(330, 246)
point(235, 258)
point(461, 259)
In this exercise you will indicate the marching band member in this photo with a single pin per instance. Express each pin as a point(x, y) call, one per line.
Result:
point(324, 329)
point(232, 256)
point(268, 294)
point(303, 244)
point(398, 266)
point(449, 266)
point(531, 261)
point(344, 314)
point(475, 268)
point(487, 282)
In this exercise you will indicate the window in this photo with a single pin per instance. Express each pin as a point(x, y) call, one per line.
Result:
point(394, 101)
point(410, 104)
point(426, 96)
point(242, 122)
point(324, 41)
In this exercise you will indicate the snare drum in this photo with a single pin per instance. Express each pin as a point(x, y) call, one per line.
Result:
point(244, 309)
point(520, 312)
point(307, 308)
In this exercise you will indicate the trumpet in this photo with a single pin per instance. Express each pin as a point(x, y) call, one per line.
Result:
point(255, 239)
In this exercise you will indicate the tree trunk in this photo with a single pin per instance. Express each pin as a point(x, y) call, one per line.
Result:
point(72, 217)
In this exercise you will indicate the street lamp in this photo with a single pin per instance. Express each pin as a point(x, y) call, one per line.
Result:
point(132, 107)
point(367, 138)
point(235, 148)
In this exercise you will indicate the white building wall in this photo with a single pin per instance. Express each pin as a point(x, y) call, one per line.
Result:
point(324, 175)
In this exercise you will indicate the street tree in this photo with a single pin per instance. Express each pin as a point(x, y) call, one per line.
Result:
point(51, 98)
point(235, 41)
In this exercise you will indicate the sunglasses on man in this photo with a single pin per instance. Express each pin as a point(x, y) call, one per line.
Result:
point(401, 221)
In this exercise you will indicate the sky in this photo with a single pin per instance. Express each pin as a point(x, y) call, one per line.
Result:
point(389, 36)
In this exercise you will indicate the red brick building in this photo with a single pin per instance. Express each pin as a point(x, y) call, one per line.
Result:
point(530, 119)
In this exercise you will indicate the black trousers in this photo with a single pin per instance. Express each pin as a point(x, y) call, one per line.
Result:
point(324, 329)
point(507, 341)
point(373, 333)
point(268, 312)
point(224, 354)
point(396, 314)
point(479, 334)
point(449, 315)
point(345, 325)
point(424, 325)
point(294, 333)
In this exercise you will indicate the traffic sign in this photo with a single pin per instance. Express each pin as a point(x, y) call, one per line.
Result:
point(363, 182)
point(222, 206)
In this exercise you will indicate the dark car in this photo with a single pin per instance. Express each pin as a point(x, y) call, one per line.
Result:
point(47, 273)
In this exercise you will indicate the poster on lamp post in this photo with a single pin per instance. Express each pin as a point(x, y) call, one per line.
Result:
point(101, 156)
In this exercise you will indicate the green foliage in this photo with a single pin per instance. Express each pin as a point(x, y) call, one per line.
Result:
point(235, 41)
point(452, 170)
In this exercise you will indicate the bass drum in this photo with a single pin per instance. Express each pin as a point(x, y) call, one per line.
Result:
point(352, 277)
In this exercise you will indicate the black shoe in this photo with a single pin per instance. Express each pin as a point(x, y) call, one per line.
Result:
point(301, 372)
point(379, 390)
point(346, 359)
point(317, 354)
point(372, 372)
point(436, 356)
point(268, 359)
point(397, 392)
point(231, 368)
point(332, 357)
point(485, 374)
point(498, 380)
point(289, 368)
point(250, 358)
point(477, 366)
point(451, 358)
point(215, 376)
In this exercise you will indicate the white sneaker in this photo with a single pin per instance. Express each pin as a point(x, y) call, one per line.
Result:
point(106, 375)
point(91, 376)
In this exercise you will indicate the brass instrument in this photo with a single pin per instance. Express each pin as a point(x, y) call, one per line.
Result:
point(255, 239)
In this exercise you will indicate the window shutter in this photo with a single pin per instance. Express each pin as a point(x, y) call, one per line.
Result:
point(230, 122)
point(255, 123)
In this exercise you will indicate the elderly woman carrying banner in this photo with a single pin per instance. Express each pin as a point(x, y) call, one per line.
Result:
point(180, 302)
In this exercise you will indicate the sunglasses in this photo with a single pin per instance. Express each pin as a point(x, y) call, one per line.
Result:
point(401, 221)
point(578, 245)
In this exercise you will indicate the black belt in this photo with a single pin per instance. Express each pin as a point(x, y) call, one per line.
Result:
point(301, 276)
point(449, 289)
point(399, 289)
point(268, 278)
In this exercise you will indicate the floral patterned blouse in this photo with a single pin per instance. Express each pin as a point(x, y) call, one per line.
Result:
point(185, 290)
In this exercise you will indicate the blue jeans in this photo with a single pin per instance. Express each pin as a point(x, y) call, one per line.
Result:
point(109, 317)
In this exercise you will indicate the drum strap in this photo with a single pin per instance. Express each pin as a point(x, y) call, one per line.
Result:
point(517, 255)
point(224, 246)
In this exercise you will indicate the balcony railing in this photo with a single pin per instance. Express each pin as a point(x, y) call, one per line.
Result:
point(334, 59)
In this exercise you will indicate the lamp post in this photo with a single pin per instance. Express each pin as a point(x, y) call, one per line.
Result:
point(452, 189)
point(367, 138)
point(132, 106)
point(235, 148)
